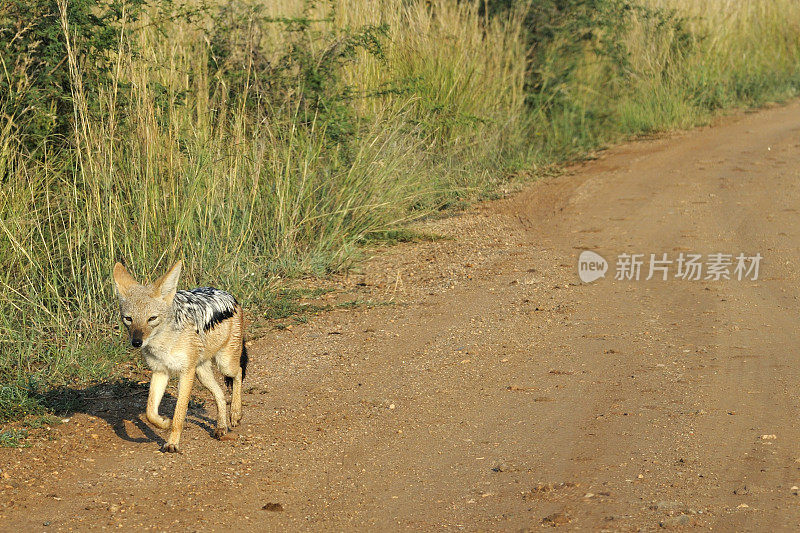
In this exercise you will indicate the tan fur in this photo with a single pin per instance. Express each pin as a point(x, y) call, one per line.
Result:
point(183, 352)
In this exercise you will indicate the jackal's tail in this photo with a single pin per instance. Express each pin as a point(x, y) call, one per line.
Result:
point(243, 359)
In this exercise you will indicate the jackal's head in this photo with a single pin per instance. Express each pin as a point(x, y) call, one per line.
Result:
point(145, 307)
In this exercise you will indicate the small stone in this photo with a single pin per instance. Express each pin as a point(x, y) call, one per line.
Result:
point(500, 467)
point(391, 406)
point(556, 519)
point(795, 490)
point(675, 521)
point(769, 437)
point(273, 506)
point(667, 505)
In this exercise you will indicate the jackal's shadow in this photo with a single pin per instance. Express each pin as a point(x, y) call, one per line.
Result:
point(121, 404)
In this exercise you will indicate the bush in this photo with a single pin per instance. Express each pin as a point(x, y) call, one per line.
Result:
point(36, 89)
point(303, 82)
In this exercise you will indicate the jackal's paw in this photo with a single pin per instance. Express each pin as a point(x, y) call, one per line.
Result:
point(170, 448)
point(160, 422)
point(220, 432)
point(236, 419)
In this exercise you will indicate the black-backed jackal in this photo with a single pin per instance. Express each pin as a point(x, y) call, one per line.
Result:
point(181, 333)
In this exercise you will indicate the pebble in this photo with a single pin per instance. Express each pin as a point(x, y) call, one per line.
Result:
point(667, 505)
point(272, 506)
point(500, 467)
point(675, 521)
point(556, 519)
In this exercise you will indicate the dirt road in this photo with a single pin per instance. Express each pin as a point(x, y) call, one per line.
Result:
point(494, 390)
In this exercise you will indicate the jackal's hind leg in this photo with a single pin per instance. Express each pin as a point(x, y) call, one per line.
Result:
point(232, 361)
point(236, 399)
point(205, 374)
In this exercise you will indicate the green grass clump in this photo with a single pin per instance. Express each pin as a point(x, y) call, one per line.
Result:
point(13, 437)
point(263, 140)
point(398, 235)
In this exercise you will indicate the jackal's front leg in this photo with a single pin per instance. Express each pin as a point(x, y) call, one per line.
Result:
point(158, 384)
point(185, 383)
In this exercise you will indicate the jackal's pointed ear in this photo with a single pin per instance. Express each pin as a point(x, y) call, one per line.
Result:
point(166, 285)
point(123, 280)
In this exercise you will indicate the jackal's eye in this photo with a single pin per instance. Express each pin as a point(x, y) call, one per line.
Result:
point(127, 319)
point(152, 319)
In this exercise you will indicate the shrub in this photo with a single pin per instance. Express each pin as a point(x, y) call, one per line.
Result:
point(35, 82)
